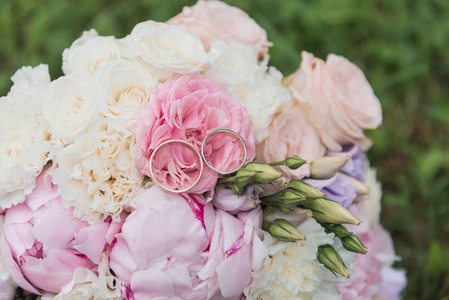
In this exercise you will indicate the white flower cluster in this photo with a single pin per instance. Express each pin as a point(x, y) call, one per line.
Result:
point(292, 270)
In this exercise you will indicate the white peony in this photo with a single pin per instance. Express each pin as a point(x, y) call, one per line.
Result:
point(165, 49)
point(86, 284)
point(88, 53)
point(121, 88)
point(7, 285)
point(292, 271)
point(70, 107)
point(24, 138)
point(97, 174)
point(258, 88)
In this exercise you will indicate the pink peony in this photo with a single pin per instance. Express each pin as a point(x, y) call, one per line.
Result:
point(215, 19)
point(226, 199)
point(175, 245)
point(189, 107)
point(43, 243)
point(291, 133)
point(338, 98)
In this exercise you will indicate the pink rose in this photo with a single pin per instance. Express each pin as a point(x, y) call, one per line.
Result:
point(189, 107)
point(338, 99)
point(291, 133)
point(216, 19)
point(175, 245)
point(43, 243)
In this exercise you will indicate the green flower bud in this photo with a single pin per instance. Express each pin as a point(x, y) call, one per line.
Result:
point(328, 211)
point(330, 258)
point(327, 166)
point(294, 162)
point(339, 230)
point(283, 230)
point(287, 198)
point(264, 172)
point(308, 190)
point(353, 243)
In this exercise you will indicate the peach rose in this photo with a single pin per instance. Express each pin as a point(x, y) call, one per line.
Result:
point(215, 19)
point(291, 133)
point(338, 98)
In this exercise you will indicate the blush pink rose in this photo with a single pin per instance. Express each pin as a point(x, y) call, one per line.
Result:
point(338, 99)
point(215, 19)
point(176, 246)
point(43, 243)
point(291, 133)
point(188, 108)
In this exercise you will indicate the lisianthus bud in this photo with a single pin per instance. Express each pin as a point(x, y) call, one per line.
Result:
point(327, 166)
point(359, 187)
point(296, 217)
point(283, 230)
point(294, 162)
point(308, 190)
point(287, 198)
point(328, 211)
point(265, 173)
point(242, 178)
point(339, 230)
point(353, 243)
point(330, 258)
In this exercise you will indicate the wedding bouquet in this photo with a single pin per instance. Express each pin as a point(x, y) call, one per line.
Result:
point(174, 163)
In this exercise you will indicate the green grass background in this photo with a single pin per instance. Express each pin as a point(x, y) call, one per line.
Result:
point(402, 46)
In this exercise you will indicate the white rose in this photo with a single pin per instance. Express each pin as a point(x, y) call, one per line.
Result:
point(86, 284)
point(165, 49)
point(70, 107)
point(24, 138)
point(88, 53)
point(97, 174)
point(121, 88)
point(258, 88)
point(291, 270)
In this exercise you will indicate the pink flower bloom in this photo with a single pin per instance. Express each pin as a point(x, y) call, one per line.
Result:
point(291, 133)
point(216, 19)
point(189, 107)
point(338, 98)
point(43, 243)
point(175, 245)
point(225, 199)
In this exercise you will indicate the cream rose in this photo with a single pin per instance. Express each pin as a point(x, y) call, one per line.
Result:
point(88, 53)
point(70, 107)
point(338, 98)
point(217, 20)
point(24, 138)
point(257, 87)
point(97, 174)
point(165, 49)
point(291, 133)
point(121, 88)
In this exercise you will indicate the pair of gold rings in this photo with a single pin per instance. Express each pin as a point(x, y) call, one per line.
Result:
point(200, 156)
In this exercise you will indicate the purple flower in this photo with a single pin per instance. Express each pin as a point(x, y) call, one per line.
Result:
point(356, 166)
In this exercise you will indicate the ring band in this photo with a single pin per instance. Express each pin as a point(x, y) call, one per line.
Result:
point(227, 131)
point(194, 150)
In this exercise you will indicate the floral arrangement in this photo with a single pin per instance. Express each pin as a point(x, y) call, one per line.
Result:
point(83, 218)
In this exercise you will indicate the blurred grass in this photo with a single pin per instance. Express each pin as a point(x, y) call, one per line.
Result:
point(402, 47)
